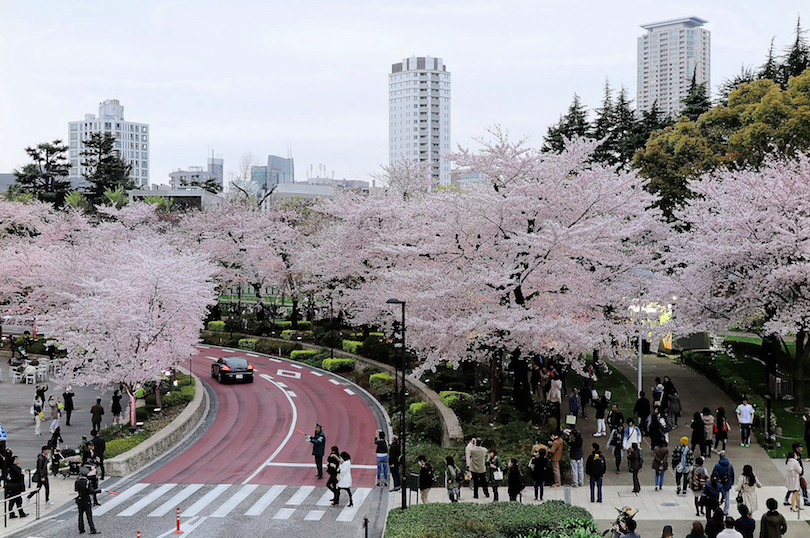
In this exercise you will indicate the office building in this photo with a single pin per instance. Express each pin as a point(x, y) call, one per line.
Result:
point(419, 114)
point(131, 140)
point(277, 172)
point(198, 174)
point(668, 54)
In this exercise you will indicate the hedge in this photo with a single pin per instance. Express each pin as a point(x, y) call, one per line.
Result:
point(216, 326)
point(182, 396)
point(461, 403)
point(119, 446)
point(352, 346)
point(247, 343)
point(336, 365)
point(489, 520)
point(294, 335)
point(303, 354)
point(380, 380)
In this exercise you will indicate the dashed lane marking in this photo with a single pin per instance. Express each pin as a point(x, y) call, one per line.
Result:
point(349, 392)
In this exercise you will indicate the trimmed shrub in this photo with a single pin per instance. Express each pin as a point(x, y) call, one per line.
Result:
point(338, 365)
point(184, 396)
point(352, 346)
point(293, 335)
point(380, 380)
point(424, 422)
point(461, 403)
point(216, 326)
point(271, 347)
point(141, 414)
point(247, 343)
point(303, 354)
point(119, 446)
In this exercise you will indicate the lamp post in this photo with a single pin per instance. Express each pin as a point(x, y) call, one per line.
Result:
point(403, 475)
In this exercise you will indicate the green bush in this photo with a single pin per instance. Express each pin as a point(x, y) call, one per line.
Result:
point(352, 346)
point(272, 347)
point(380, 380)
point(338, 365)
point(303, 354)
point(490, 520)
point(119, 446)
point(216, 326)
point(293, 335)
point(142, 413)
point(302, 325)
point(247, 343)
point(424, 422)
point(462, 403)
point(183, 396)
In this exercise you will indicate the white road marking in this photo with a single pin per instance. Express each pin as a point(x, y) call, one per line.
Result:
point(292, 394)
point(295, 365)
point(334, 381)
point(212, 358)
point(267, 377)
point(107, 506)
point(288, 373)
point(280, 384)
point(284, 513)
point(232, 503)
point(149, 498)
point(299, 496)
point(275, 360)
point(251, 355)
point(205, 500)
point(175, 501)
point(349, 392)
point(313, 372)
point(358, 497)
point(265, 501)
point(187, 528)
point(314, 515)
point(203, 347)
point(326, 499)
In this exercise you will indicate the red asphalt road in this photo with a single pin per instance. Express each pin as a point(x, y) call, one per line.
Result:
point(255, 418)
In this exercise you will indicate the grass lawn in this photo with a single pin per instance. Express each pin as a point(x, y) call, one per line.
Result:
point(622, 390)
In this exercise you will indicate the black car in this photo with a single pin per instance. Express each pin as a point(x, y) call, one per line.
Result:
point(234, 368)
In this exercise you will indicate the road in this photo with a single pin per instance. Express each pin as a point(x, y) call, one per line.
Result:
point(252, 470)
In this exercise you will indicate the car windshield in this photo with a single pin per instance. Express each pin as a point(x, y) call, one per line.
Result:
point(237, 363)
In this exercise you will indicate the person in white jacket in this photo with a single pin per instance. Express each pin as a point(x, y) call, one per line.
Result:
point(345, 477)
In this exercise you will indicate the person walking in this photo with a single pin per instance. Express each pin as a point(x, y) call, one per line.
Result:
point(600, 408)
point(631, 435)
point(478, 458)
point(452, 479)
point(425, 479)
point(345, 477)
point(85, 490)
point(574, 403)
point(642, 410)
point(382, 458)
point(720, 430)
point(318, 441)
point(537, 468)
point(697, 531)
point(515, 481)
point(101, 447)
point(712, 493)
point(96, 412)
point(615, 444)
point(728, 529)
point(698, 434)
point(725, 471)
point(772, 524)
point(596, 467)
point(745, 418)
point(697, 477)
point(38, 415)
point(555, 397)
point(708, 430)
point(15, 486)
point(394, 456)
point(682, 459)
point(67, 398)
point(746, 487)
point(674, 409)
point(54, 413)
point(494, 473)
point(615, 418)
point(576, 456)
point(746, 524)
point(333, 462)
point(40, 477)
point(635, 462)
point(660, 464)
point(555, 454)
point(792, 480)
point(115, 407)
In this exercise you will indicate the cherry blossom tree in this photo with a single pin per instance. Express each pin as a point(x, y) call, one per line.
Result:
point(744, 259)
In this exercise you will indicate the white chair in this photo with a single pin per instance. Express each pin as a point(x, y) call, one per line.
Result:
point(31, 378)
point(42, 372)
point(16, 377)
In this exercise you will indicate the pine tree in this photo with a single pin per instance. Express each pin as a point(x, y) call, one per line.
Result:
point(601, 129)
point(106, 170)
point(650, 121)
point(623, 127)
point(745, 75)
point(573, 124)
point(770, 69)
point(45, 178)
point(697, 102)
point(796, 58)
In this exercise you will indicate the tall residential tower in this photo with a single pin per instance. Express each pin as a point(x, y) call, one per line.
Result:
point(419, 113)
point(668, 54)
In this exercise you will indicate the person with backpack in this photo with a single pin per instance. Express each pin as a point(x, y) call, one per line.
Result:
point(720, 429)
point(725, 471)
point(425, 478)
point(382, 458)
point(515, 481)
point(537, 468)
point(682, 458)
point(635, 461)
point(660, 464)
point(696, 477)
point(595, 468)
point(452, 479)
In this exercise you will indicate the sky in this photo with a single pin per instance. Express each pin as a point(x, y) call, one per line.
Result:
point(311, 78)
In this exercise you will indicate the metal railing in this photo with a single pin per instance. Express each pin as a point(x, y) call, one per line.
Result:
point(7, 501)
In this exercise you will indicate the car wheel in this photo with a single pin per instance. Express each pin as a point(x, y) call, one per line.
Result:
point(213, 374)
point(220, 378)
point(250, 379)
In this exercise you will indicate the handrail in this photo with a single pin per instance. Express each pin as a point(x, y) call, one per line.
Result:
point(7, 512)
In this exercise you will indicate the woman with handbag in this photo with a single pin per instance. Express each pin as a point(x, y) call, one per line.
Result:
point(494, 472)
point(747, 485)
point(696, 477)
point(793, 480)
point(720, 430)
point(660, 464)
point(537, 466)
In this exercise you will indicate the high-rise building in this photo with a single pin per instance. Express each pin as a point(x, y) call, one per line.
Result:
point(131, 140)
point(419, 113)
point(198, 174)
point(277, 172)
point(668, 55)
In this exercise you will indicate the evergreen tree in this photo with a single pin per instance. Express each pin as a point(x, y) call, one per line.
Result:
point(106, 170)
point(623, 127)
point(46, 177)
point(211, 185)
point(697, 102)
point(770, 69)
point(745, 75)
point(650, 121)
point(573, 123)
point(602, 129)
point(796, 58)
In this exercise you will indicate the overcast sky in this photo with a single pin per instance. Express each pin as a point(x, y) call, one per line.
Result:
point(265, 76)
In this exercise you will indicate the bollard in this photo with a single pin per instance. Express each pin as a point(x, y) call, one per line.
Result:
point(139, 534)
point(567, 494)
point(178, 531)
point(365, 525)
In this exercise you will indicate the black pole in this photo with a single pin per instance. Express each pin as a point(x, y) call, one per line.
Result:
point(768, 444)
point(402, 409)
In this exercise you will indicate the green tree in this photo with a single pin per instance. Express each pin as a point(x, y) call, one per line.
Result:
point(573, 124)
point(697, 101)
point(770, 69)
point(116, 198)
point(106, 170)
point(602, 128)
point(77, 200)
point(46, 177)
point(211, 185)
point(796, 58)
point(746, 74)
point(623, 127)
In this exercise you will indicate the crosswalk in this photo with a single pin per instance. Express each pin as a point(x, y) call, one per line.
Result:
point(303, 503)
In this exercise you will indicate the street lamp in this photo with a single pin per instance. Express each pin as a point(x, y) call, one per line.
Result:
point(403, 475)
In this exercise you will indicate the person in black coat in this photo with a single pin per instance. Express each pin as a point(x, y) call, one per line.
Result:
point(642, 411)
point(85, 491)
point(15, 484)
point(595, 468)
point(41, 475)
point(100, 445)
point(515, 483)
point(538, 465)
point(698, 434)
point(67, 398)
point(318, 446)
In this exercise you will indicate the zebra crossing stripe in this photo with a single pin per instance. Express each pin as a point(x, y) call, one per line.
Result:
point(234, 501)
point(314, 515)
point(205, 500)
point(326, 499)
point(149, 498)
point(175, 501)
point(358, 497)
point(265, 501)
point(299, 496)
point(284, 513)
point(125, 496)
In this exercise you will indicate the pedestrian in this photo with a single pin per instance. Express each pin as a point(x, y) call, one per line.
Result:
point(729, 531)
point(631, 435)
point(660, 464)
point(682, 459)
point(515, 480)
point(555, 397)
point(745, 417)
point(635, 461)
point(626, 529)
point(115, 407)
point(97, 411)
point(38, 415)
point(669, 391)
point(720, 429)
point(674, 409)
point(746, 525)
point(585, 396)
point(55, 440)
point(40, 477)
point(468, 450)
point(615, 444)
point(101, 447)
point(494, 473)
point(345, 477)
point(452, 479)
point(84, 490)
point(576, 456)
point(555, 454)
point(574, 405)
point(15, 486)
point(657, 392)
point(318, 441)
point(382, 458)
point(600, 407)
point(712, 493)
point(746, 487)
point(725, 470)
point(698, 434)
point(41, 390)
point(596, 467)
point(697, 477)
point(715, 524)
point(67, 398)
point(697, 530)
point(772, 524)
point(54, 413)
point(708, 430)
point(425, 478)
point(657, 431)
point(797, 448)
point(333, 462)
point(393, 458)
point(792, 480)
point(478, 458)
point(642, 410)
point(666, 532)
point(537, 468)
point(615, 418)
point(806, 432)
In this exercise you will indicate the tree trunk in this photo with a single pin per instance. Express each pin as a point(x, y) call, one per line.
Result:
point(158, 398)
point(294, 315)
point(496, 378)
point(521, 394)
point(132, 403)
point(798, 377)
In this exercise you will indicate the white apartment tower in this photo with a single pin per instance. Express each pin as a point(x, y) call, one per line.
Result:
point(419, 113)
point(668, 54)
point(131, 140)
